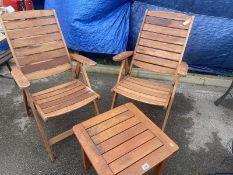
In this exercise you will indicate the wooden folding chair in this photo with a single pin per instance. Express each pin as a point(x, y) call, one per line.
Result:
point(39, 50)
point(160, 48)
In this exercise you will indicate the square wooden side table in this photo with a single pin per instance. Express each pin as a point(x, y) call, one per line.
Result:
point(123, 141)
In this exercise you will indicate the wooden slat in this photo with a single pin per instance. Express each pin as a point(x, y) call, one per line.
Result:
point(29, 59)
point(127, 146)
point(29, 23)
point(50, 72)
point(154, 68)
point(143, 90)
point(135, 155)
point(39, 49)
point(60, 98)
point(166, 22)
point(149, 84)
point(109, 123)
point(154, 158)
point(156, 60)
point(165, 30)
point(72, 107)
point(27, 14)
point(23, 33)
point(53, 95)
point(163, 38)
point(105, 116)
point(142, 94)
point(140, 98)
point(160, 45)
point(21, 42)
point(91, 151)
point(144, 87)
point(159, 53)
point(55, 90)
point(44, 65)
point(169, 15)
point(64, 99)
point(121, 138)
point(170, 145)
point(69, 103)
point(114, 130)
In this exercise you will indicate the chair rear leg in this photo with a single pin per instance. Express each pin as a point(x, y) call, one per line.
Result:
point(114, 100)
point(96, 109)
point(167, 115)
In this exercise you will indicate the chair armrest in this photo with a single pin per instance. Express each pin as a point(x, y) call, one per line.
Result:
point(82, 59)
point(183, 69)
point(123, 55)
point(19, 78)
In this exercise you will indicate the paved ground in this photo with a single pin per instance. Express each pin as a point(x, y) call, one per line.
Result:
point(201, 129)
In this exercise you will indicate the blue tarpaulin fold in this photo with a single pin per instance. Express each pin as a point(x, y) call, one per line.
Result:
point(93, 26)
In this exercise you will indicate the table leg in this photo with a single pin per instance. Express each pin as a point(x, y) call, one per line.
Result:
point(86, 161)
point(159, 169)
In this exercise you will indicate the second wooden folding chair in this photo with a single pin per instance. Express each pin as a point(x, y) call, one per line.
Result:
point(39, 50)
point(160, 48)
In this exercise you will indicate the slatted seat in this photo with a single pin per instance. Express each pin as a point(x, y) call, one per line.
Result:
point(39, 51)
point(145, 91)
point(160, 48)
point(63, 98)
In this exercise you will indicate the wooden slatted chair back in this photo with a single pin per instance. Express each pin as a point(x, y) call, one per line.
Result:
point(37, 43)
point(162, 41)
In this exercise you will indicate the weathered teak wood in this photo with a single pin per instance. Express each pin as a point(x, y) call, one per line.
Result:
point(160, 48)
point(123, 141)
point(39, 50)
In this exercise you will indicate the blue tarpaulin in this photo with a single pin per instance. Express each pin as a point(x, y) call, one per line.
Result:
point(103, 27)
point(210, 46)
point(97, 26)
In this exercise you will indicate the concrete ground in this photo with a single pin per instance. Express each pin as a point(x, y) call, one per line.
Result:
point(201, 129)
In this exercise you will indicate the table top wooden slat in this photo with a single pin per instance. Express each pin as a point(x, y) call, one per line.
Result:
point(123, 141)
point(121, 138)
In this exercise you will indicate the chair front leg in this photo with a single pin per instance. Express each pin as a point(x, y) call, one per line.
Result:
point(96, 109)
point(77, 70)
point(26, 105)
point(173, 91)
point(39, 125)
point(87, 82)
point(114, 100)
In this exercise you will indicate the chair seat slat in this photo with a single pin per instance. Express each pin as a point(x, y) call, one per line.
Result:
point(165, 30)
point(166, 23)
point(160, 45)
point(28, 15)
point(22, 42)
point(23, 33)
point(44, 65)
point(158, 53)
point(39, 57)
point(30, 23)
point(163, 38)
point(169, 15)
point(156, 60)
point(39, 49)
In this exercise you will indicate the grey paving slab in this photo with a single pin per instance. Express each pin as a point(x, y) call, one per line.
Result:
point(201, 129)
